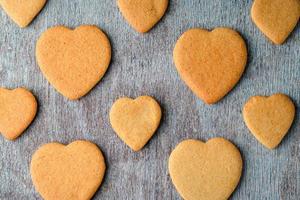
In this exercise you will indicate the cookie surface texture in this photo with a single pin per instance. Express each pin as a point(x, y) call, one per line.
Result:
point(205, 171)
point(142, 15)
point(22, 12)
point(210, 63)
point(18, 108)
point(276, 18)
point(135, 121)
point(269, 118)
point(73, 61)
point(72, 172)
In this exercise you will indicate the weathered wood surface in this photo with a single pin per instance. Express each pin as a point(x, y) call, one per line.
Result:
point(142, 64)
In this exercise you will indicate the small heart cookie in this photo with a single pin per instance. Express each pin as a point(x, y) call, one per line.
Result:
point(135, 121)
point(205, 171)
point(142, 15)
point(73, 61)
point(72, 172)
point(18, 108)
point(276, 18)
point(269, 118)
point(210, 63)
point(22, 12)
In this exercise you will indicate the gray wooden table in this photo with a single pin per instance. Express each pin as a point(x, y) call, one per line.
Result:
point(142, 64)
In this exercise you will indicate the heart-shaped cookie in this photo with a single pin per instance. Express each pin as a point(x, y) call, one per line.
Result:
point(269, 118)
point(276, 18)
point(22, 12)
point(72, 172)
point(135, 121)
point(205, 171)
point(18, 108)
point(142, 15)
point(73, 61)
point(210, 63)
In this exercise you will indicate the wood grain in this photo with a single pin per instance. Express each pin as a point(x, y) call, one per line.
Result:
point(142, 65)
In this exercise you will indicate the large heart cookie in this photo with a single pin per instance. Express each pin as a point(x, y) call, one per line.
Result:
point(135, 121)
point(210, 63)
point(269, 118)
point(72, 172)
point(22, 12)
point(18, 108)
point(142, 15)
point(276, 18)
point(73, 61)
point(205, 171)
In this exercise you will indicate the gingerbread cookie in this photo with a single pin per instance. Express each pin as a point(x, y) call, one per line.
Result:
point(72, 172)
point(210, 63)
point(135, 121)
point(22, 12)
point(205, 171)
point(276, 18)
point(269, 118)
point(142, 15)
point(18, 108)
point(73, 61)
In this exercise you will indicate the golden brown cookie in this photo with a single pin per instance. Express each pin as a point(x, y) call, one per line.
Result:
point(22, 12)
point(269, 118)
point(72, 172)
point(142, 15)
point(210, 63)
point(18, 108)
point(135, 121)
point(73, 61)
point(276, 18)
point(205, 171)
